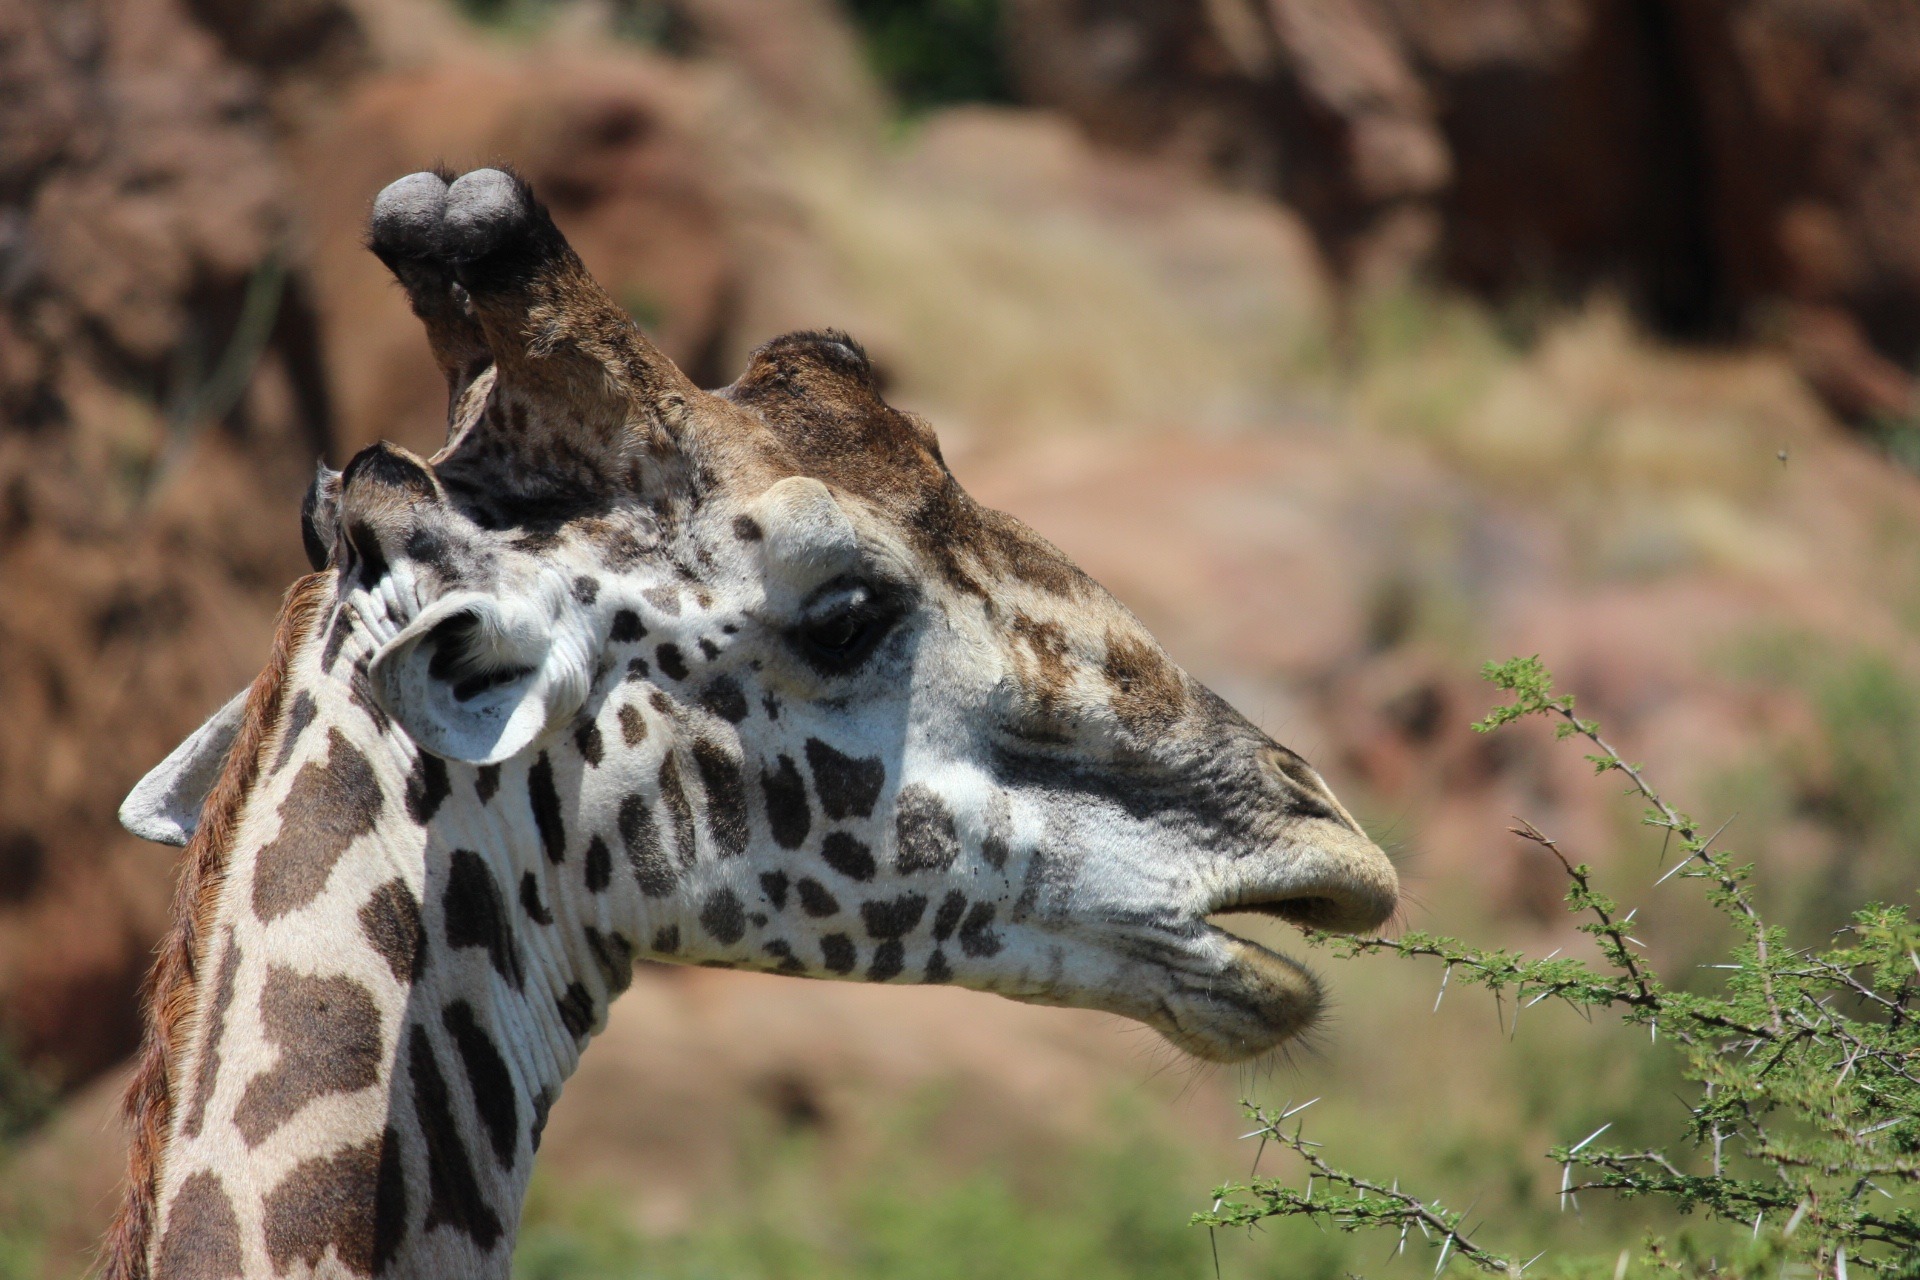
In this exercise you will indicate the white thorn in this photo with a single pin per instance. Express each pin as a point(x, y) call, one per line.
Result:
point(1576, 1149)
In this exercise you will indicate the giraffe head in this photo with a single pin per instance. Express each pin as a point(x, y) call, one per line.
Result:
point(765, 665)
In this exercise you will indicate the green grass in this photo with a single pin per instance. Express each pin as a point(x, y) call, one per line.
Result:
point(1849, 778)
point(1116, 1207)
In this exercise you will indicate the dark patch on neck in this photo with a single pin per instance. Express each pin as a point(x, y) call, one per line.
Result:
point(336, 640)
point(487, 1075)
point(530, 900)
point(587, 740)
point(633, 725)
point(202, 1241)
point(774, 885)
point(726, 797)
point(546, 808)
point(652, 871)
point(476, 917)
point(599, 865)
point(454, 1198)
point(542, 1107)
point(328, 1033)
point(390, 919)
point(666, 939)
point(214, 1027)
point(427, 787)
point(360, 693)
point(486, 782)
point(328, 807)
point(848, 787)
point(304, 710)
point(354, 1202)
point(612, 956)
point(575, 1007)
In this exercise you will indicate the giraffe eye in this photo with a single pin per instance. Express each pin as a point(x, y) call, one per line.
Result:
point(844, 627)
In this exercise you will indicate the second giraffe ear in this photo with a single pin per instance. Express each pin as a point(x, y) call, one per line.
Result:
point(481, 678)
point(164, 806)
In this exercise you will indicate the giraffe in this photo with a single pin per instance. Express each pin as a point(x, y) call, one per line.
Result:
point(626, 671)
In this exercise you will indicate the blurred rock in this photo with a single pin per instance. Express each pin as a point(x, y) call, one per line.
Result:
point(150, 454)
point(1712, 160)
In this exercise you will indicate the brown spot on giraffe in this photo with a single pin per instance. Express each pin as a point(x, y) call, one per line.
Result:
point(330, 805)
point(207, 1073)
point(202, 1239)
point(390, 920)
point(328, 1034)
point(352, 1203)
point(454, 1197)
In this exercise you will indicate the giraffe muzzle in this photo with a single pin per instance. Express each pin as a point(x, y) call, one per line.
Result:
point(1233, 998)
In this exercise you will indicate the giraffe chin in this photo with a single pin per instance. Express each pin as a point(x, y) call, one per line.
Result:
point(1256, 1002)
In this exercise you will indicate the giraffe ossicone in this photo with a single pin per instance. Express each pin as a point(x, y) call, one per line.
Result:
point(632, 670)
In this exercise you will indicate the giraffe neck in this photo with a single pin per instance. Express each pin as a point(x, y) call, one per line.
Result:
point(375, 1037)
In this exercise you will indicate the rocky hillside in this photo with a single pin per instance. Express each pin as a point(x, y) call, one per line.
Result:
point(1748, 166)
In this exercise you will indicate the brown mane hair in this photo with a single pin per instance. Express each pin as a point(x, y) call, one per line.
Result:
point(168, 997)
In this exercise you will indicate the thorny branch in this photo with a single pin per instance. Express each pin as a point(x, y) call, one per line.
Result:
point(1369, 1205)
point(1807, 1065)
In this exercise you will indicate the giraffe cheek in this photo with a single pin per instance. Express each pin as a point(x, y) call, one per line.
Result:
point(480, 679)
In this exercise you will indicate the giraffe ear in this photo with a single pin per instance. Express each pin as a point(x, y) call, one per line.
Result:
point(481, 678)
point(164, 806)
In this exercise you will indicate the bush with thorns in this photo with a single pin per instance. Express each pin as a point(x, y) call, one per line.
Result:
point(1802, 1065)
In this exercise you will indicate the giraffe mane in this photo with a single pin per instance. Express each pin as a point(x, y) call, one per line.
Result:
point(168, 997)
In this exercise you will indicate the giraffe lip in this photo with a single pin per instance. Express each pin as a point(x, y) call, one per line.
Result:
point(1247, 999)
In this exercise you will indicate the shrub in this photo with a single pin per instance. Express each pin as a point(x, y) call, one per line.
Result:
point(1803, 1067)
